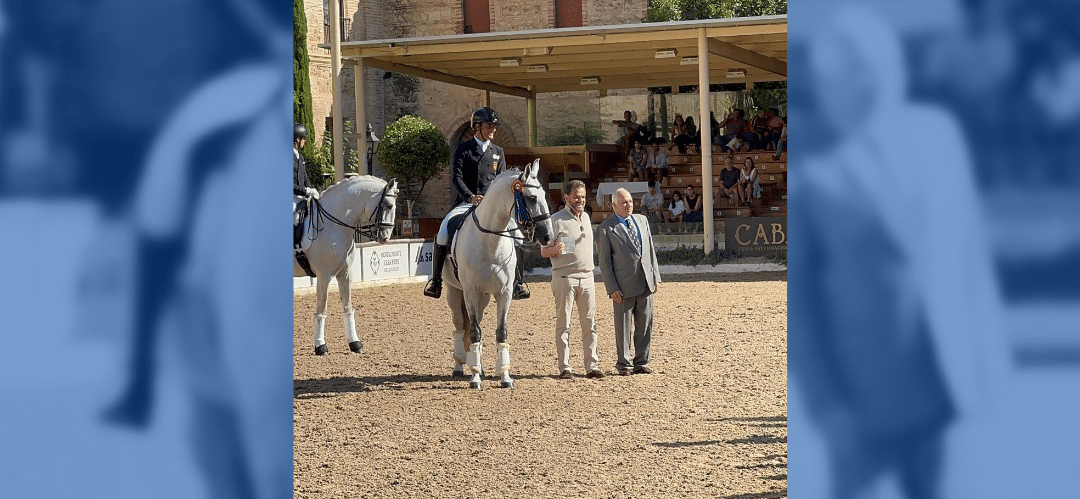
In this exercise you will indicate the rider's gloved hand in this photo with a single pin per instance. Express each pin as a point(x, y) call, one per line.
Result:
point(311, 192)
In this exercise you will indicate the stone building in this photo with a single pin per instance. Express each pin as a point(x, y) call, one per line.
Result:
point(449, 106)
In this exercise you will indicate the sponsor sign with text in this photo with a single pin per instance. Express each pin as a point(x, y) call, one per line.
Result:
point(385, 261)
point(420, 258)
point(756, 236)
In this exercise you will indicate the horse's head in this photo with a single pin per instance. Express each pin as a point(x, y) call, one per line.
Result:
point(537, 227)
point(383, 210)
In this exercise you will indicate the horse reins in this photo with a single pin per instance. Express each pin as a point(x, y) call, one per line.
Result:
point(519, 212)
point(369, 230)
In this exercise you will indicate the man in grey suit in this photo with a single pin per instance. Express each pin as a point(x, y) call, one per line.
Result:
point(631, 276)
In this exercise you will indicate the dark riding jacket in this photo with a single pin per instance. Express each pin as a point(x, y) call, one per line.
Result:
point(475, 169)
point(299, 174)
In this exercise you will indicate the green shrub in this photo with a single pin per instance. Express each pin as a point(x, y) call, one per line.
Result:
point(689, 255)
point(414, 151)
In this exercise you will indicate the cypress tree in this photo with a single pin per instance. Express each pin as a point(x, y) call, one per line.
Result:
point(302, 108)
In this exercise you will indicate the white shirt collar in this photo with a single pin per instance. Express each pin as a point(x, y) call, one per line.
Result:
point(483, 143)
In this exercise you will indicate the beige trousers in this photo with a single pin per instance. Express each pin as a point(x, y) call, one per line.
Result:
point(568, 291)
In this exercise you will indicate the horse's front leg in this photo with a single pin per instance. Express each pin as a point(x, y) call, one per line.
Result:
point(475, 315)
point(502, 359)
point(355, 345)
point(322, 286)
point(460, 316)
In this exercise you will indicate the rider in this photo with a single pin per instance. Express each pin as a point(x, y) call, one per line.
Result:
point(476, 164)
point(302, 190)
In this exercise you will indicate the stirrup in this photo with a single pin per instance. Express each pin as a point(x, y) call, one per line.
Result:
point(433, 288)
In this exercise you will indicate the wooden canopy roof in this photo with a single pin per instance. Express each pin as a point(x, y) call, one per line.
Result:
point(525, 63)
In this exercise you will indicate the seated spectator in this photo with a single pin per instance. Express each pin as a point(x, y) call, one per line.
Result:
point(781, 144)
point(731, 130)
point(736, 144)
point(747, 137)
point(693, 206)
point(627, 128)
point(680, 135)
point(656, 167)
point(676, 210)
point(652, 204)
point(637, 160)
point(729, 177)
point(645, 135)
point(758, 129)
point(694, 134)
point(715, 130)
point(774, 126)
point(748, 181)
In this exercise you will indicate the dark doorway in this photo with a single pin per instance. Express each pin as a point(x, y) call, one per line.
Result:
point(477, 16)
point(567, 13)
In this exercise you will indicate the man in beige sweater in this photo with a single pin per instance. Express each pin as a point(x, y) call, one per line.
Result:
point(571, 256)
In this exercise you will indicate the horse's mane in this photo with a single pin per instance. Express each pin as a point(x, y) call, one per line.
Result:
point(349, 182)
point(512, 173)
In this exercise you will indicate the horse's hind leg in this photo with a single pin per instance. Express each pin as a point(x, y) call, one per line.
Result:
point(355, 345)
point(322, 286)
point(475, 314)
point(502, 359)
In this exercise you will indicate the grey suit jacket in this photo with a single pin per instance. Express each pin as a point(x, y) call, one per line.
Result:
point(623, 268)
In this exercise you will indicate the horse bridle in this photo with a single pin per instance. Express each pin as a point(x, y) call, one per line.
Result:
point(369, 230)
point(519, 212)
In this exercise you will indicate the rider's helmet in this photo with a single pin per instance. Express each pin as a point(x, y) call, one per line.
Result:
point(484, 115)
point(298, 131)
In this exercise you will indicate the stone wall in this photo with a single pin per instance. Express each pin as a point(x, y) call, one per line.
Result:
point(522, 15)
point(608, 12)
point(447, 106)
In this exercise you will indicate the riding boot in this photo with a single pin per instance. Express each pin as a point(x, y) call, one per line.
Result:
point(520, 292)
point(434, 286)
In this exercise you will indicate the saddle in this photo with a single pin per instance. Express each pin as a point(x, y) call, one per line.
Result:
point(454, 224)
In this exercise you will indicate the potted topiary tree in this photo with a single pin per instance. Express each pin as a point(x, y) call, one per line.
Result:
point(413, 150)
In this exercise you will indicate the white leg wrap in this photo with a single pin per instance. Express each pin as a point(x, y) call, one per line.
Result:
point(474, 358)
point(502, 361)
point(320, 329)
point(459, 347)
point(350, 326)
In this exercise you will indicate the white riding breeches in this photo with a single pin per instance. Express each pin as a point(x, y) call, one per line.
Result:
point(296, 201)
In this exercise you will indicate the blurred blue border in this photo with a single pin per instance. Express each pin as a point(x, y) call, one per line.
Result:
point(126, 129)
point(997, 84)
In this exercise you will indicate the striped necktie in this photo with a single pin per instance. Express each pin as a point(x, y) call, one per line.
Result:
point(634, 236)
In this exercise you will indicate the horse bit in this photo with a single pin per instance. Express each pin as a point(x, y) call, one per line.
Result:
point(520, 210)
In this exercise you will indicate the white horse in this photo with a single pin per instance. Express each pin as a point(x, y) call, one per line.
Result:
point(482, 263)
point(332, 221)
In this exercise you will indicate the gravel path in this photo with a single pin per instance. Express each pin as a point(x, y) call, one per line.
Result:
point(711, 422)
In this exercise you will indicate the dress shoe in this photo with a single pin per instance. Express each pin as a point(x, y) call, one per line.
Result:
point(642, 370)
point(595, 374)
point(566, 375)
point(520, 292)
point(624, 372)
